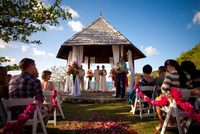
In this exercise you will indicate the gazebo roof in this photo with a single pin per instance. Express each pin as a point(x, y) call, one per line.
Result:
point(97, 39)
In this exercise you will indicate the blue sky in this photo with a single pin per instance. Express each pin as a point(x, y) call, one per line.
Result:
point(161, 29)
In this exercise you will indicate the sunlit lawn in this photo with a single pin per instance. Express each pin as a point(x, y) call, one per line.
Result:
point(103, 118)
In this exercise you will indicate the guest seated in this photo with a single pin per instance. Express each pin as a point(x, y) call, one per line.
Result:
point(3, 83)
point(25, 85)
point(190, 68)
point(159, 80)
point(175, 78)
point(142, 80)
point(46, 84)
point(161, 72)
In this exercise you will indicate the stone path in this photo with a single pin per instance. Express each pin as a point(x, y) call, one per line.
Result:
point(91, 97)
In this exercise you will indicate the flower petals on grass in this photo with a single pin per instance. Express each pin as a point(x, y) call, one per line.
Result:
point(101, 124)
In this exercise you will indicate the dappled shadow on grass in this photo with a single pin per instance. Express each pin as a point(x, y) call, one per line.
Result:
point(87, 118)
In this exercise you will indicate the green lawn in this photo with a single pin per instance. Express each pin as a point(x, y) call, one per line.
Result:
point(103, 118)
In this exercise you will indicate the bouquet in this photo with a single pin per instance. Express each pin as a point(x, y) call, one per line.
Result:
point(89, 73)
point(112, 73)
point(73, 69)
point(101, 72)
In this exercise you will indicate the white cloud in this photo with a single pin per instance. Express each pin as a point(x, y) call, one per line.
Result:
point(4, 44)
point(55, 28)
point(12, 60)
point(70, 10)
point(38, 52)
point(75, 25)
point(189, 26)
point(24, 48)
point(150, 51)
point(50, 54)
point(196, 18)
point(141, 46)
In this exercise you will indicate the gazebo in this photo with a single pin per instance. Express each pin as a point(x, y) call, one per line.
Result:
point(99, 42)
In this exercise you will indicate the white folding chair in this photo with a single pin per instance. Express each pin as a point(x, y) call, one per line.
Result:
point(37, 115)
point(176, 112)
point(48, 94)
point(139, 100)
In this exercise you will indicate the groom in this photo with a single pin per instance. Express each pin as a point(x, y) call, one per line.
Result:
point(120, 78)
point(96, 78)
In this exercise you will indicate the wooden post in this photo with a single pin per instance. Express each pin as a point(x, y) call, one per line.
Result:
point(88, 68)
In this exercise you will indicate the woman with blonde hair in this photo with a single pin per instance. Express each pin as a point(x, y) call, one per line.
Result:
point(46, 84)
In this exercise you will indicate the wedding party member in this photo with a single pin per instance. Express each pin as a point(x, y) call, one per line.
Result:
point(81, 77)
point(120, 78)
point(96, 78)
point(142, 80)
point(25, 85)
point(175, 78)
point(104, 86)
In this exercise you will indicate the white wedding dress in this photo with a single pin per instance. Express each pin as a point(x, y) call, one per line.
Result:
point(104, 86)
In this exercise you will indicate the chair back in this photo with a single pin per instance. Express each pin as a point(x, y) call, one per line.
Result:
point(147, 88)
point(37, 115)
point(8, 103)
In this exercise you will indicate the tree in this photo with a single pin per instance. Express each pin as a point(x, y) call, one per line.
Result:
point(8, 67)
point(19, 19)
point(3, 59)
point(191, 55)
point(59, 74)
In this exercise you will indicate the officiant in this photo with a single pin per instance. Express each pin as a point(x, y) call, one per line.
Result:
point(120, 78)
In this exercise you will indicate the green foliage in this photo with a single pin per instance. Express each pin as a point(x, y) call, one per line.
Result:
point(3, 59)
point(191, 55)
point(154, 74)
point(9, 67)
point(12, 67)
point(19, 19)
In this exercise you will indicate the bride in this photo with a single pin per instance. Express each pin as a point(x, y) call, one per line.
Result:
point(103, 73)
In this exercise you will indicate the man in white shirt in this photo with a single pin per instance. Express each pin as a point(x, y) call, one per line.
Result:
point(96, 79)
point(81, 77)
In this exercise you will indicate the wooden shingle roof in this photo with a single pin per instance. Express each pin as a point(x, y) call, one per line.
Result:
point(97, 39)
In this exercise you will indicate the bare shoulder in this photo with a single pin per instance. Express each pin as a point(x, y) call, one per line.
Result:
point(51, 85)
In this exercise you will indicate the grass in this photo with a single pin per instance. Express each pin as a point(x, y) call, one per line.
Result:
point(103, 118)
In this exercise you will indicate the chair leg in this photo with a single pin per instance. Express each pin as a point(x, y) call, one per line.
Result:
point(34, 127)
point(135, 106)
point(41, 120)
point(55, 117)
point(140, 105)
point(189, 120)
point(60, 109)
point(166, 121)
point(178, 121)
